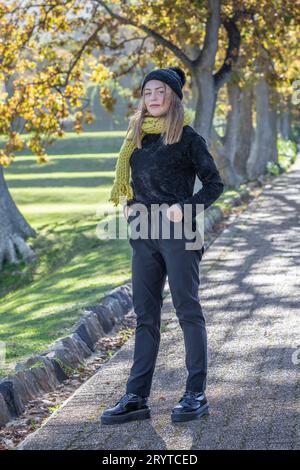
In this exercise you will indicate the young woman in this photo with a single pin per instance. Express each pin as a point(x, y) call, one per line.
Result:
point(163, 155)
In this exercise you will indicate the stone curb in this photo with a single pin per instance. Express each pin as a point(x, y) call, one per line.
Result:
point(44, 372)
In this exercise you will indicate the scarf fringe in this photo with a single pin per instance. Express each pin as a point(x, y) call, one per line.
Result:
point(119, 192)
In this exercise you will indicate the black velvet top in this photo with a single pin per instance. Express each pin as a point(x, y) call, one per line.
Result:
point(166, 173)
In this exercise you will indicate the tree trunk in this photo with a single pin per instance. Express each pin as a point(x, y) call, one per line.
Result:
point(230, 174)
point(273, 103)
point(284, 118)
point(245, 133)
point(285, 124)
point(14, 229)
point(205, 96)
point(207, 83)
point(264, 146)
point(235, 145)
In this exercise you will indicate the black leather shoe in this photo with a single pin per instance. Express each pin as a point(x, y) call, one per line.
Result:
point(130, 407)
point(191, 405)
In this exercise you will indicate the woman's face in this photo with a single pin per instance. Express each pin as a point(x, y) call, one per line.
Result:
point(157, 98)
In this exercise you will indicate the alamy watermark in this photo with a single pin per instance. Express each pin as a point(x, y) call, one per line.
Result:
point(2, 354)
point(153, 222)
point(296, 356)
point(296, 94)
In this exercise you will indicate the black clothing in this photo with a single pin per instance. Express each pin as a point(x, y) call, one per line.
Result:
point(166, 173)
point(153, 259)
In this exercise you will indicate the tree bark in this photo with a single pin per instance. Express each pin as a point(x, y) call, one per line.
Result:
point(205, 97)
point(206, 84)
point(14, 229)
point(233, 150)
point(285, 128)
point(245, 133)
point(264, 146)
point(231, 175)
point(224, 148)
point(273, 116)
point(284, 120)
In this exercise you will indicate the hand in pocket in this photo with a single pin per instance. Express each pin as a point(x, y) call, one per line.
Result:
point(174, 213)
point(127, 212)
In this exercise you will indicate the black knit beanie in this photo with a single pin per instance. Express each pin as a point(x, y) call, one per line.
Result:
point(173, 76)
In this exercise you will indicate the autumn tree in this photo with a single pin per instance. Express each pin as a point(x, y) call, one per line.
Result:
point(259, 86)
point(49, 49)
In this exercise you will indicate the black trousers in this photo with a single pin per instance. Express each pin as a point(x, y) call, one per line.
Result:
point(154, 258)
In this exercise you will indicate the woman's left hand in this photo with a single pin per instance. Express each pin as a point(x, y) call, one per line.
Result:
point(127, 211)
point(174, 213)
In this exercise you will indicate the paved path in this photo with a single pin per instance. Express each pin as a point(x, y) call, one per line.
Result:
point(250, 286)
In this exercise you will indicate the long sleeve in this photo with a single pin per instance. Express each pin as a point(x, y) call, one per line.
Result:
point(208, 173)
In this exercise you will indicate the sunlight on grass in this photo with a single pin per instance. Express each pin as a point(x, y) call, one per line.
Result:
point(63, 200)
point(69, 185)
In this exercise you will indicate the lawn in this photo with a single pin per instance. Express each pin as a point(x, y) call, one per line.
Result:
point(63, 200)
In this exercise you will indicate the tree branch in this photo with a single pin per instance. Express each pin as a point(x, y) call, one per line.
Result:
point(232, 53)
point(160, 39)
point(207, 55)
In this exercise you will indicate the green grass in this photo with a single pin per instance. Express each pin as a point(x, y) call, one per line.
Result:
point(95, 142)
point(64, 201)
point(224, 200)
point(67, 186)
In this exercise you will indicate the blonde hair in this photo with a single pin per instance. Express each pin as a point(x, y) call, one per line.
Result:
point(174, 119)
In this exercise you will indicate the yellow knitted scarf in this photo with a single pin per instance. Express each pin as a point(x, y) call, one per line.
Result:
point(150, 125)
